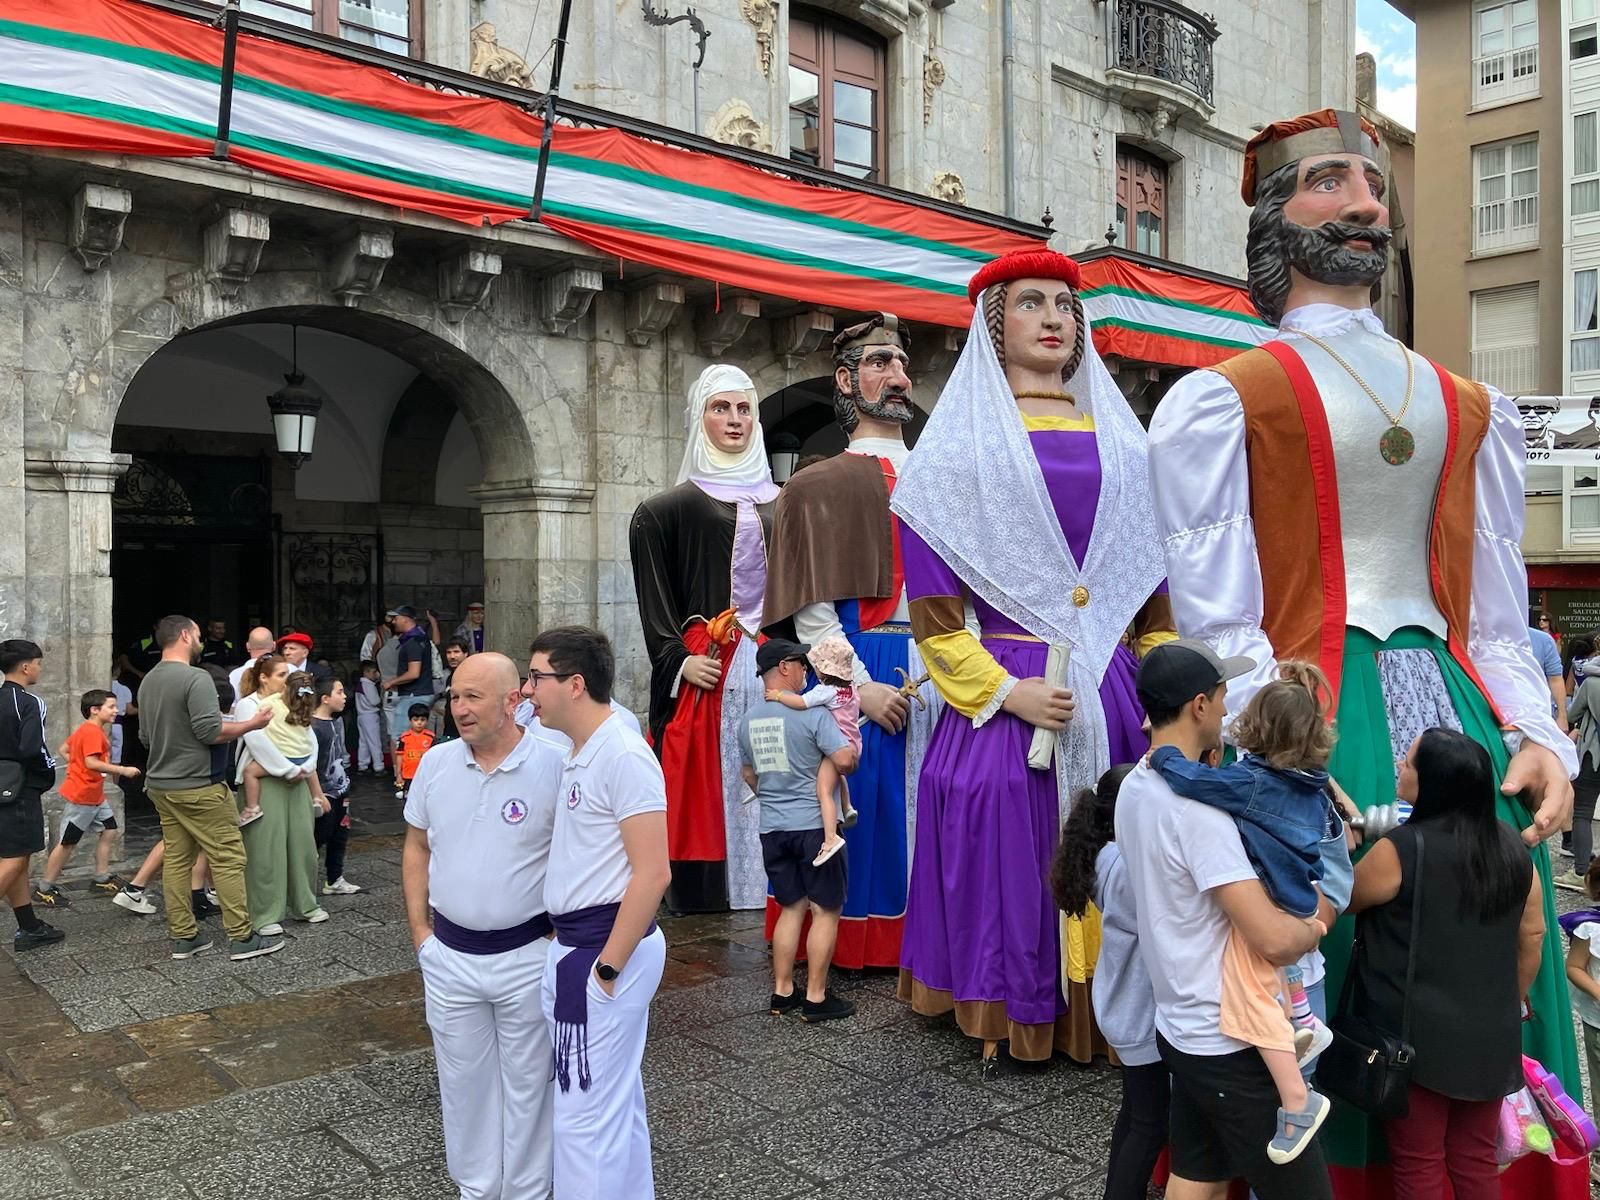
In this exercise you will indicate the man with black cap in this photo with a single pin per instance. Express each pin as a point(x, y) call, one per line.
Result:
point(1193, 885)
point(792, 757)
point(412, 682)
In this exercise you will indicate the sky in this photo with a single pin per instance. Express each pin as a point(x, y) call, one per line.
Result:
point(1392, 40)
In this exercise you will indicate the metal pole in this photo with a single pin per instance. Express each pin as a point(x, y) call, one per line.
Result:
point(550, 109)
point(230, 43)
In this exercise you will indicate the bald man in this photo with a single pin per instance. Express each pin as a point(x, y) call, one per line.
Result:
point(478, 828)
point(258, 643)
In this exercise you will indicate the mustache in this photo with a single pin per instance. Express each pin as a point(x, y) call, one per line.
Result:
point(1339, 232)
point(894, 393)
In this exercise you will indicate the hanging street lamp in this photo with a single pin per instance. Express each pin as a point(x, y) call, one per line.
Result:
point(294, 409)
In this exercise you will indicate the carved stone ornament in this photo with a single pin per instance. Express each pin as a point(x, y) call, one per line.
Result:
point(763, 15)
point(1154, 121)
point(565, 296)
point(932, 79)
point(359, 264)
point(98, 214)
point(494, 62)
point(651, 309)
point(947, 186)
point(233, 244)
point(464, 282)
point(797, 338)
point(735, 124)
point(717, 331)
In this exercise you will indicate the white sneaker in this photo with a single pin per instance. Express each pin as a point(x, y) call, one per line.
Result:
point(399, 793)
point(1318, 1038)
point(211, 895)
point(134, 902)
point(340, 887)
point(273, 930)
point(316, 916)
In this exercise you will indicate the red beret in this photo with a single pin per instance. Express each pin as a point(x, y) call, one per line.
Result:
point(1025, 264)
point(299, 639)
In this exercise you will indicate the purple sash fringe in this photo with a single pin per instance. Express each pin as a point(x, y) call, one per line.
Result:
point(584, 933)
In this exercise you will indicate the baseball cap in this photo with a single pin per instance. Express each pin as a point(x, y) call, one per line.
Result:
point(1174, 673)
point(403, 610)
point(778, 650)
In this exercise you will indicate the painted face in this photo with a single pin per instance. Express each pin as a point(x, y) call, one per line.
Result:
point(883, 384)
point(1336, 225)
point(729, 421)
point(1040, 332)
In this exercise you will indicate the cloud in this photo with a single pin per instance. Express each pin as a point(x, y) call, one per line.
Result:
point(1399, 103)
point(1367, 44)
point(1404, 67)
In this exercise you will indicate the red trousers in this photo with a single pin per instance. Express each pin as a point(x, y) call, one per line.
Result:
point(1443, 1138)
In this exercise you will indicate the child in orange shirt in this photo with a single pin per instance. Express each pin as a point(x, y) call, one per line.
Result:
point(414, 743)
point(88, 755)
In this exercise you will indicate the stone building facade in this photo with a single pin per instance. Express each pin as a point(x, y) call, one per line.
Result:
point(501, 399)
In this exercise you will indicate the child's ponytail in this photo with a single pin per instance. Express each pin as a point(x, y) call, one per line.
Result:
point(1088, 828)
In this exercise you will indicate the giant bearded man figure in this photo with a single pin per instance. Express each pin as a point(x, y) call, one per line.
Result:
point(835, 567)
point(1331, 496)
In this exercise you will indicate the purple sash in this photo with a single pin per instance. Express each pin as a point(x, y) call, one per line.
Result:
point(1570, 921)
point(584, 932)
point(490, 941)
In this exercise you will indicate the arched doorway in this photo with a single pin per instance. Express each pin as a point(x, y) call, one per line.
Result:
point(797, 423)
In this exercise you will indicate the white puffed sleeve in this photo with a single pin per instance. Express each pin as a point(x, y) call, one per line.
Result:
point(1497, 641)
point(1202, 498)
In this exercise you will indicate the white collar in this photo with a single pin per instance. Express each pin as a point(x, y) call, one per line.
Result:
point(878, 447)
point(1329, 320)
point(601, 735)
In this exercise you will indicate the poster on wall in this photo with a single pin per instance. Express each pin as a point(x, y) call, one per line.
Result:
point(1561, 431)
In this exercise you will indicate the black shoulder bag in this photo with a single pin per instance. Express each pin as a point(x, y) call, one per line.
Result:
point(1366, 1066)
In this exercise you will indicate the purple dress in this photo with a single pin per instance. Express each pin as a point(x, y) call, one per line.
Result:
point(982, 931)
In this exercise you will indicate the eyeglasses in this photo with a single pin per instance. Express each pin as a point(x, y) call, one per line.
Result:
point(535, 676)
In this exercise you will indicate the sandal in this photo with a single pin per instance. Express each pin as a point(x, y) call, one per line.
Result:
point(1296, 1130)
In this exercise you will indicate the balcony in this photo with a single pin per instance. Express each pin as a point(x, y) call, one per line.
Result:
point(1161, 56)
point(1512, 369)
point(1504, 77)
point(1505, 225)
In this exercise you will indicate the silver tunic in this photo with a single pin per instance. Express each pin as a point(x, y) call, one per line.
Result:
point(1385, 511)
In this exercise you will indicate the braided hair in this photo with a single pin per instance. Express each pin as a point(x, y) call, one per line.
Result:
point(994, 319)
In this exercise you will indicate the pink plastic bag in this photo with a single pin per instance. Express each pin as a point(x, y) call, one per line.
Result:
point(1522, 1129)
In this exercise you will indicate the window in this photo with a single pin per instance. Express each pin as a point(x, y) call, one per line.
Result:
point(836, 96)
point(1581, 36)
point(1506, 52)
point(1506, 210)
point(1505, 338)
point(393, 25)
point(1585, 328)
point(1585, 163)
point(1141, 197)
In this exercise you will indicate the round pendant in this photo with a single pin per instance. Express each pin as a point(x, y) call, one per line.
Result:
point(1397, 445)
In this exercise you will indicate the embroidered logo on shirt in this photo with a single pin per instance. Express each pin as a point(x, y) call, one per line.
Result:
point(514, 812)
point(574, 796)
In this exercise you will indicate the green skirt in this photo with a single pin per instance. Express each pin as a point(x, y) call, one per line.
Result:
point(1364, 764)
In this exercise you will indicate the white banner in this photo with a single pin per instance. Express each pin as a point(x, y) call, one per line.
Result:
point(1561, 431)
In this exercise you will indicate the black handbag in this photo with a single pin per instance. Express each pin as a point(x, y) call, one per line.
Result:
point(1366, 1066)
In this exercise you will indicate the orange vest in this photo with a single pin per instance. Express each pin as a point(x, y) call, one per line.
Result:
point(1298, 539)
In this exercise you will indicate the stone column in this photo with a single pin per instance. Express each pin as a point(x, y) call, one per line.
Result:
point(68, 547)
point(13, 495)
point(538, 559)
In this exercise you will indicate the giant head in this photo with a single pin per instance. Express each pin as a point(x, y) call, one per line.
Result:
point(871, 372)
point(1032, 310)
point(1317, 197)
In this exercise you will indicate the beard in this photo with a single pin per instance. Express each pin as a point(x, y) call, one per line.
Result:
point(1318, 252)
point(892, 404)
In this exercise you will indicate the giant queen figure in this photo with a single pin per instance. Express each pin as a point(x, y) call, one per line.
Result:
point(1332, 496)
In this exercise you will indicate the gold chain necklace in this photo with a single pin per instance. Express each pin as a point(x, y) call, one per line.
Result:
point(1397, 444)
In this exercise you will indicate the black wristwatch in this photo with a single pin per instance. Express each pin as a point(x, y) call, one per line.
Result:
point(605, 971)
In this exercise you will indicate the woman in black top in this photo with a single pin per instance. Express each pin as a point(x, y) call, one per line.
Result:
point(1477, 952)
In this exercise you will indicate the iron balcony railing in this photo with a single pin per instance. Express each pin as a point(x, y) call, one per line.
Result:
point(1165, 40)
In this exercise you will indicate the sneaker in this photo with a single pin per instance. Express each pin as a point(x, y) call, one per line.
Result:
point(211, 895)
point(340, 887)
point(109, 886)
point(40, 935)
point(1296, 1130)
point(203, 908)
point(188, 947)
point(831, 1008)
point(253, 947)
point(1310, 1041)
point(850, 817)
point(49, 895)
point(1570, 880)
point(399, 793)
point(134, 900)
point(828, 850)
point(787, 1004)
point(315, 917)
point(272, 930)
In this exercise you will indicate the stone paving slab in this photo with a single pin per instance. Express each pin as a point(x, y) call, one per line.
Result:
point(310, 1075)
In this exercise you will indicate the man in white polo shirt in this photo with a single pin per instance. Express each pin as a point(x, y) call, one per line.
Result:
point(1193, 884)
point(478, 828)
point(608, 872)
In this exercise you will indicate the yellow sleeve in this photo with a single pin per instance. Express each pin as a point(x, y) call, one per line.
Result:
point(966, 674)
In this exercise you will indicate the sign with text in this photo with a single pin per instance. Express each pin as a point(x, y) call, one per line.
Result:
point(1561, 431)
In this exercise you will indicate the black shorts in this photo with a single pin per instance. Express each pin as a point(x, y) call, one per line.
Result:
point(1224, 1112)
point(787, 855)
point(22, 825)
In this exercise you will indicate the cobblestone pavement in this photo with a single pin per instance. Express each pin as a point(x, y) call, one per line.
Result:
point(308, 1074)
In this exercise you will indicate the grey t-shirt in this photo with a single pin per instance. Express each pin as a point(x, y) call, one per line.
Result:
point(785, 748)
point(179, 721)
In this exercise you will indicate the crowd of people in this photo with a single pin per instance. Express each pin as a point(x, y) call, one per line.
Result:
point(1110, 742)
